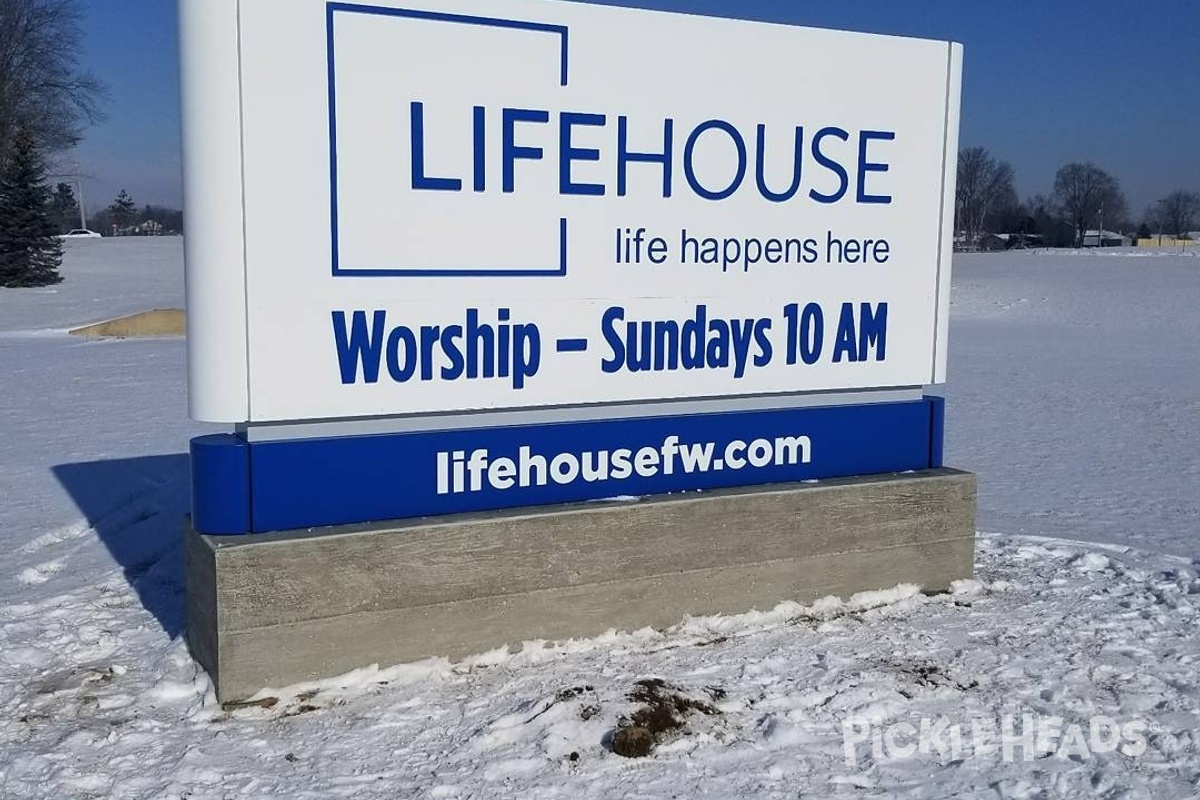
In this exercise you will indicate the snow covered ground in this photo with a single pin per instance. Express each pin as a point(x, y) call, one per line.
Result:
point(1075, 394)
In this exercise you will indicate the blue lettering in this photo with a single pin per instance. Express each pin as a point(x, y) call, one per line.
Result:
point(431, 336)
point(567, 153)
point(608, 322)
point(830, 149)
point(360, 346)
point(847, 336)
point(480, 124)
point(506, 349)
point(761, 168)
point(527, 353)
point(717, 354)
point(742, 330)
point(693, 339)
point(830, 164)
point(812, 333)
point(666, 345)
point(402, 371)
point(625, 156)
point(503, 315)
point(805, 332)
point(865, 166)
point(689, 170)
point(419, 179)
point(874, 331)
point(638, 358)
point(511, 151)
point(761, 328)
point(451, 335)
point(480, 345)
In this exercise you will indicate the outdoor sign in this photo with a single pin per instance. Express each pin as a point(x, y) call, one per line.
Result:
point(416, 208)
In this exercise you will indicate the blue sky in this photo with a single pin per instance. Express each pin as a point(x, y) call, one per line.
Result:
point(1045, 82)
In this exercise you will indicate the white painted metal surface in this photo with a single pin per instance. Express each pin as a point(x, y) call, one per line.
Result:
point(427, 167)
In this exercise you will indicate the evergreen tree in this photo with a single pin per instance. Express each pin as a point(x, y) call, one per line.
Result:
point(30, 251)
point(123, 212)
point(65, 207)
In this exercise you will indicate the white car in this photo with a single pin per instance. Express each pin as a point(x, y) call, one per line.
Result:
point(80, 233)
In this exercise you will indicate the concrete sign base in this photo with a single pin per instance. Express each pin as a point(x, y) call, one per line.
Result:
point(281, 608)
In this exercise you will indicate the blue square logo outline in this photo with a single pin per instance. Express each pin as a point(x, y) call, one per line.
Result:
point(334, 8)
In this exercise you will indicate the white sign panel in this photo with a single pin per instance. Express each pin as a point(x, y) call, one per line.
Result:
point(415, 207)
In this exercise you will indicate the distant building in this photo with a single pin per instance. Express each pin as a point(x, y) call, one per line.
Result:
point(150, 227)
point(990, 242)
point(1098, 238)
point(1009, 241)
point(1193, 240)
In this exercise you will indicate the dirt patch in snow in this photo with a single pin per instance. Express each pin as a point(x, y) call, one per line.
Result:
point(664, 713)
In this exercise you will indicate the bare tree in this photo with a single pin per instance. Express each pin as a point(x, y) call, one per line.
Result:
point(1045, 220)
point(1005, 213)
point(42, 89)
point(1087, 196)
point(983, 183)
point(1178, 210)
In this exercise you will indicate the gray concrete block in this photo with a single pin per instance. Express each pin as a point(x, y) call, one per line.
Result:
point(275, 609)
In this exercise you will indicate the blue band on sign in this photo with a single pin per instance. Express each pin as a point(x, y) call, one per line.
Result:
point(937, 430)
point(334, 481)
point(220, 484)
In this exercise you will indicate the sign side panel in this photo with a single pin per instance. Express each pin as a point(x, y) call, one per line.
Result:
point(950, 185)
point(214, 251)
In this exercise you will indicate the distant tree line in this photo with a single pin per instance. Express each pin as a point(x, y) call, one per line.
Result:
point(121, 218)
point(1174, 215)
point(1085, 198)
point(124, 218)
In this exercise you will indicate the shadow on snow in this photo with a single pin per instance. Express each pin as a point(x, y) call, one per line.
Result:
point(136, 506)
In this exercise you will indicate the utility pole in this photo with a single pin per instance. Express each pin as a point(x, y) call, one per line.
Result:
point(79, 202)
point(76, 183)
point(79, 193)
point(76, 180)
